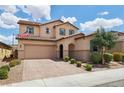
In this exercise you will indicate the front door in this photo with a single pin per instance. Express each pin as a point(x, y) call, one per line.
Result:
point(61, 51)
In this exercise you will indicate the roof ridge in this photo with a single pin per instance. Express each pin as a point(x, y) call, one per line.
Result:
point(37, 23)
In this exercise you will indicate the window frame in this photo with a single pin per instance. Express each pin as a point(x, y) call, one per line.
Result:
point(29, 31)
point(47, 30)
point(71, 32)
point(62, 31)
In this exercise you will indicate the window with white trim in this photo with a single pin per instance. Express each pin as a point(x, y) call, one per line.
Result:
point(30, 30)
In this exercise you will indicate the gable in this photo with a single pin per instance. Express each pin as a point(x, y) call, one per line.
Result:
point(68, 25)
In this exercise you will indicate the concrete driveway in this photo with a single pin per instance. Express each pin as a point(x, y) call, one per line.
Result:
point(44, 68)
point(111, 78)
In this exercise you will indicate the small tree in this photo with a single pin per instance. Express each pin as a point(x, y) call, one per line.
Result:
point(104, 41)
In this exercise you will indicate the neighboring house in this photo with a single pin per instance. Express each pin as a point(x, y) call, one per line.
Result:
point(5, 50)
point(54, 39)
point(119, 46)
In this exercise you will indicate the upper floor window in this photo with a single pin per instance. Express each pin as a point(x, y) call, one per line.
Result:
point(62, 31)
point(30, 30)
point(47, 30)
point(71, 32)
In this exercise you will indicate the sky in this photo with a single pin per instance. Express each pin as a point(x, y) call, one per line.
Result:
point(87, 18)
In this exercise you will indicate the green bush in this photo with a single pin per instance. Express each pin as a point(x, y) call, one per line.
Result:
point(78, 63)
point(72, 61)
point(66, 59)
point(107, 57)
point(18, 62)
point(3, 73)
point(5, 67)
point(95, 58)
point(88, 67)
point(123, 58)
point(14, 63)
point(117, 56)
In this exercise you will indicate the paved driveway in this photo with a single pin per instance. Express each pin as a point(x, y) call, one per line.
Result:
point(99, 78)
point(44, 68)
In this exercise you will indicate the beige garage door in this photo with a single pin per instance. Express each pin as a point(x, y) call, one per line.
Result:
point(39, 51)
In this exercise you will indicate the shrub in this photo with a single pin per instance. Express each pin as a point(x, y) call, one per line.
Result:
point(122, 58)
point(78, 63)
point(3, 73)
point(72, 61)
point(5, 67)
point(14, 63)
point(18, 62)
point(95, 58)
point(88, 67)
point(117, 56)
point(66, 59)
point(107, 57)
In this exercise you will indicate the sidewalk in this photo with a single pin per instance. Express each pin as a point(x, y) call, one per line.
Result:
point(77, 80)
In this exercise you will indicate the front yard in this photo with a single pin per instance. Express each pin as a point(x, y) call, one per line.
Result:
point(46, 68)
point(14, 75)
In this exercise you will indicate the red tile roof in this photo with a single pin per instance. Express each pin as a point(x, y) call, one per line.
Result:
point(28, 22)
point(47, 39)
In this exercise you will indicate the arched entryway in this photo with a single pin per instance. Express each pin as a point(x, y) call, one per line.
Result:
point(71, 50)
point(61, 51)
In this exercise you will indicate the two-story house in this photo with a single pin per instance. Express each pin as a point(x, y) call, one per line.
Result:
point(54, 39)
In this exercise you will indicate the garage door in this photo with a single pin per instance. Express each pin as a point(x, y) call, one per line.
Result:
point(39, 51)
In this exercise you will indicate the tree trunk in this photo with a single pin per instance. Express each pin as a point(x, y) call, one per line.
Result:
point(102, 52)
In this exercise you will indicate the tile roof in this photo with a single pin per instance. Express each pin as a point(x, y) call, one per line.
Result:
point(81, 35)
point(35, 38)
point(39, 24)
point(28, 22)
point(5, 46)
point(47, 39)
point(36, 23)
point(52, 22)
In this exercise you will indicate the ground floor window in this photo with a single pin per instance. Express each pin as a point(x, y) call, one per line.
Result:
point(93, 46)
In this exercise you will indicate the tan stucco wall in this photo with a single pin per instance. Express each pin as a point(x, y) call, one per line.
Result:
point(83, 55)
point(67, 27)
point(50, 26)
point(119, 47)
point(83, 43)
point(81, 47)
point(20, 54)
point(120, 38)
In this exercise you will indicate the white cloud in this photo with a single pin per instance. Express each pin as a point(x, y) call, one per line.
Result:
point(37, 12)
point(69, 19)
point(9, 8)
point(9, 20)
point(8, 39)
point(103, 13)
point(96, 23)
